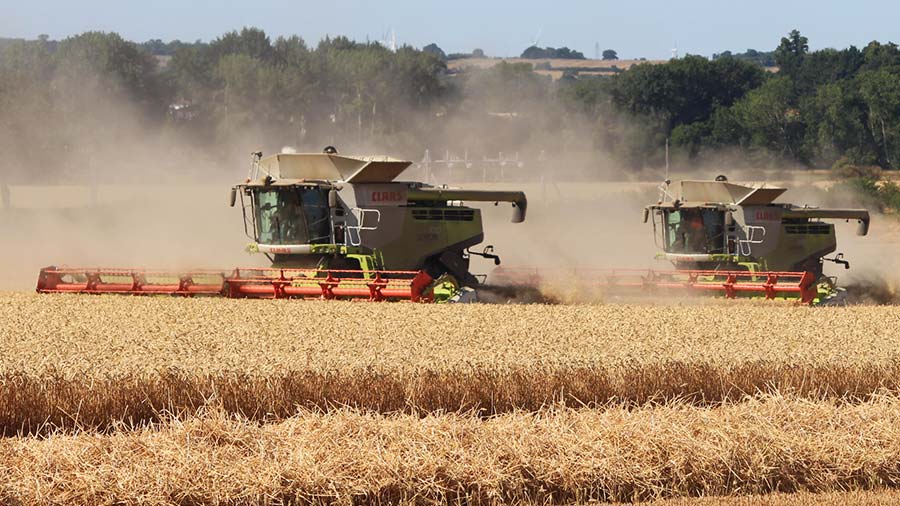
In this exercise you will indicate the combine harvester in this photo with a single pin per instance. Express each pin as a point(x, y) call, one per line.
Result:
point(334, 227)
point(725, 239)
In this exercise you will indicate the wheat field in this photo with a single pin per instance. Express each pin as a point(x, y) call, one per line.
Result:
point(850, 498)
point(158, 400)
point(554, 455)
point(92, 361)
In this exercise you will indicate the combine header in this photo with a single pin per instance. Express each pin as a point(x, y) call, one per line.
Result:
point(244, 283)
point(642, 282)
point(333, 227)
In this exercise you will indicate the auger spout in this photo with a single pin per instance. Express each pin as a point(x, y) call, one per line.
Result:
point(832, 214)
point(517, 198)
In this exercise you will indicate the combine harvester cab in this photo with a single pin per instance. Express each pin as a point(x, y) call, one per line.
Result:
point(333, 227)
point(733, 238)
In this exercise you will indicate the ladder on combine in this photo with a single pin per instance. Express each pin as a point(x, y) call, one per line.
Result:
point(255, 283)
point(801, 286)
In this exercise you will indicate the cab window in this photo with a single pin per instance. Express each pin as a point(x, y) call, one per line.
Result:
point(694, 231)
point(292, 215)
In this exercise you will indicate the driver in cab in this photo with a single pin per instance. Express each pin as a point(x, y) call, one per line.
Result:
point(690, 236)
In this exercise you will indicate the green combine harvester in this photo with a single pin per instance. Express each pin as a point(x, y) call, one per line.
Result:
point(722, 239)
point(715, 229)
point(333, 227)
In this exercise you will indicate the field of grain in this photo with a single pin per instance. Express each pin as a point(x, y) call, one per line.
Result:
point(554, 455)
point(159, 400)
point(553, 67)
point(850, 498)
point(92, 361)
point(586, 64)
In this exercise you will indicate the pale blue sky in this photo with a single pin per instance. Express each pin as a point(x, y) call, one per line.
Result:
point(635, 29)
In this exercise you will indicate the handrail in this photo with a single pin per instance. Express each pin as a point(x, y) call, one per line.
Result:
point(360, 214)
point(745, 245)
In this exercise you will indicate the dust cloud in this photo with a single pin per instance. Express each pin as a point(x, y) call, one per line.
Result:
point(874, 274)
point(574, 225)
point(113, 189)
point(158, 227)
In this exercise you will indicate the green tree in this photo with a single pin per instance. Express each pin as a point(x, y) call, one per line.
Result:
point(588, 96)
point(764, 59)
point(609, 54)
point(119, 65)
point(247, 86)
point(436, 51)
point(291, 52)
point(684, 90)
point(877, 55)
point(880, 90)
point(252, 42)
point(770, 120)
point(836, 129)
point(535, 53)
point(26, 71)
point(789, 55)
point(825, 67)
point(191, 69)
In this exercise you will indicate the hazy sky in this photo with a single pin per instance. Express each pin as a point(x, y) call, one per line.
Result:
point(635, 29)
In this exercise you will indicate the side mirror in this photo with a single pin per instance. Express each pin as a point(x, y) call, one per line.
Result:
point(332, 198)
point(646, 214)
point(233, 197)
point(729, 218)
point(863, 227)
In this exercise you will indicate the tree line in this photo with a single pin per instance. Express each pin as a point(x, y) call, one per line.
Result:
point(74, 99)
point(826, 108)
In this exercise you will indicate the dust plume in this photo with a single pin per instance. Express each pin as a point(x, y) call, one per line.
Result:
point(94, 180)
point(870, 288)
point(874, 274)
point(513, 294)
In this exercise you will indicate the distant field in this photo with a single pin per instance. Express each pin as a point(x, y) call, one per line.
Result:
point(554, 63)
point(585, 67)
point(557, 65)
